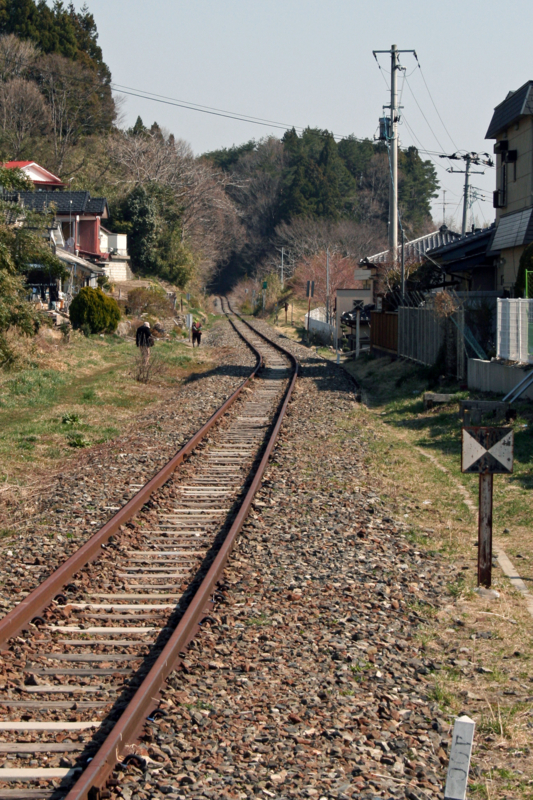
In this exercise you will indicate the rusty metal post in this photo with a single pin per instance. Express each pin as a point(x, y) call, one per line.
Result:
point(484, 550)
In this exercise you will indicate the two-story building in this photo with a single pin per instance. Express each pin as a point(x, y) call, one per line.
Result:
point(512, 127)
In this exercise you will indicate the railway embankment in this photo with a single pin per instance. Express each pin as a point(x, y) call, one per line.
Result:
point(313, 678)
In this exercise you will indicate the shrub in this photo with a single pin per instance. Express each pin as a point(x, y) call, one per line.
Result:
point(93, 308)
point(149, 300)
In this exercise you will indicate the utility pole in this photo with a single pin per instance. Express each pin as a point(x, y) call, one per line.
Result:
point(393, 231)
point(402, 273)
point(465, 193)
point(469, 159)
point(392, 144)
point(327, 285)
point(444, 204)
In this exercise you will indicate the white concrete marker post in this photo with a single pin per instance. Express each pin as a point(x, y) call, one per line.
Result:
point(460, 755)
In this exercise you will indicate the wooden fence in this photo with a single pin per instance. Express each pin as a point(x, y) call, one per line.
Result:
point(384, 331)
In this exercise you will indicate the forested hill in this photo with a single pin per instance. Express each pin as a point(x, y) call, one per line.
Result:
point(60, 30)
point(313, 176)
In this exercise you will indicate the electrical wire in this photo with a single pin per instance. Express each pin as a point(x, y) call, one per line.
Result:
point(426, 152)
point(435, 107)
point(157, 98)
point(482, 213)
point(426, 119)
point(228, 115)
point(118, 87)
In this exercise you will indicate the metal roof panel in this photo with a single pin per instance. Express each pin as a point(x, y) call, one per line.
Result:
point(516, 105)
point(514, 230)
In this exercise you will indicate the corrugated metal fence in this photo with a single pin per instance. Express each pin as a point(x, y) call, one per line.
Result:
point(319, 326)
point(422, 334)
point(515, 330)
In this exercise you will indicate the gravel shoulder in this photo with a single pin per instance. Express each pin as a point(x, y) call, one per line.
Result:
point(312, 679)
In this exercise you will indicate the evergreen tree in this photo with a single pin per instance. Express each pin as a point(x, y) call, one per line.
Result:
point(141, 214)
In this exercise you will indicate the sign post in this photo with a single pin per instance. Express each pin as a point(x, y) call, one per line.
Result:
point(310, 294)
point(188, 322)
point(486, 451)
point(265, 286)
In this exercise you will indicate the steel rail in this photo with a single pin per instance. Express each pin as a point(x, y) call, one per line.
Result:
point(146, 698)
point(41, 597)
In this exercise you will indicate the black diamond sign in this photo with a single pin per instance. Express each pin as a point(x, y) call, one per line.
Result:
point(487, 450)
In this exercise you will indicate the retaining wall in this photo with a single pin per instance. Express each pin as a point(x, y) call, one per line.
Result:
point(491, 376)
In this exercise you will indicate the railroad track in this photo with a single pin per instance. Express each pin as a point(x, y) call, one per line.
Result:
point(87, 652)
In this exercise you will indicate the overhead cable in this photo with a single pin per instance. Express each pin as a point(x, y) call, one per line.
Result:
point(435, 107)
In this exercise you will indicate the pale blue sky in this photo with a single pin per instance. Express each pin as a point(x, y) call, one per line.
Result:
point(305, 62)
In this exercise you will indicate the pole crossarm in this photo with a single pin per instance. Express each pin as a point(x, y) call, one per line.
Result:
point(375, 52)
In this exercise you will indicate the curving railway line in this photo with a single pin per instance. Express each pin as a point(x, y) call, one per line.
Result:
point(87, 652)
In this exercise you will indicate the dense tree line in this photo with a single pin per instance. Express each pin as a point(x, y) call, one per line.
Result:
point(275, 183)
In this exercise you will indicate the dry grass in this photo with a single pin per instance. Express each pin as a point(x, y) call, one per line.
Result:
point(93, 379)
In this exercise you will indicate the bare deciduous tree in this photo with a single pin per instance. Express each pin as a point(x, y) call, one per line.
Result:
point(77, 103)
point(16, 57)
point(313, 268)
point(304, 238)
point(208, 218)
point(23, 114)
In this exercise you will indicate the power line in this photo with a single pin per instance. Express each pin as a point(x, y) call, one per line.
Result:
point(426, 119)
point(198, 107)
point(228, 115)
point(435, 107)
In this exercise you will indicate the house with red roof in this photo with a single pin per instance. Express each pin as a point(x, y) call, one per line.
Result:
point(78, 218)
point(41, 177)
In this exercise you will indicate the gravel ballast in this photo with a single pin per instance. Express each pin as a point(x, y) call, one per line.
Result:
point(311, 680)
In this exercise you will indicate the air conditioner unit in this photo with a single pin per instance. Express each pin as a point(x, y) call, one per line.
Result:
point(498, 199)
point(501, 146)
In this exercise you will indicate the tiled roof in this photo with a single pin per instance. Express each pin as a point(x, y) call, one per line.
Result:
point(96, 205)
point(467, 252)
point(418, 247)
point(82, 203)
point(516, 104)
